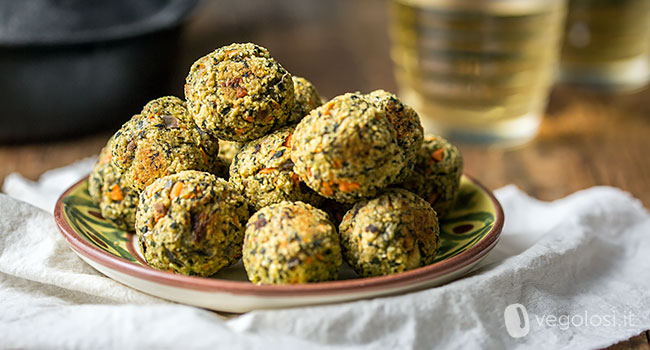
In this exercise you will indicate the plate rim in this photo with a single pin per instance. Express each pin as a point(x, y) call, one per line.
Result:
point(421, 274)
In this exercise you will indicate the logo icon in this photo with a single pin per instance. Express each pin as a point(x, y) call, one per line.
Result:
point(517, 322)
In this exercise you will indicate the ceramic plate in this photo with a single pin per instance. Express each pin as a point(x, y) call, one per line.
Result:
point(471, 230)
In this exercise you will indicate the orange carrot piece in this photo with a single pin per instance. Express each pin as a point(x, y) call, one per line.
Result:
point(115, 193)
point(438, 154)
point(287, 141)
point(347, 186)
point(241, 92)
point(176, 190)
point(326, 189)
point(266, 171)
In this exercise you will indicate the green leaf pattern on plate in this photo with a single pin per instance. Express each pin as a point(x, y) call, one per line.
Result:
point(472, 217)
point(84, 217)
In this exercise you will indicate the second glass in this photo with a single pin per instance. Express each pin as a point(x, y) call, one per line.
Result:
point(477, 71)
point(607, 44)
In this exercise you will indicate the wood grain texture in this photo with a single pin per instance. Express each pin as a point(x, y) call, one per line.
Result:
point(31, 160)
point(586, 139)
point(639, 342)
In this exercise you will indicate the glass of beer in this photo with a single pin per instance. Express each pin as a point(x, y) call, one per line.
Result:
point(607, 44)
point(477, 71)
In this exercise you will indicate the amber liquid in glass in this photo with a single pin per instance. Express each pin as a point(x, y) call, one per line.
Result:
point(607, 44)
point(476, 71)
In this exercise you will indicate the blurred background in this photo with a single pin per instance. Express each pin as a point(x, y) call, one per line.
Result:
point(339, 45)
point(70, 68)
point(53, 116)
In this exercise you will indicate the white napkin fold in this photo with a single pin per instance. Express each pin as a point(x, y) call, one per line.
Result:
point(579, 266)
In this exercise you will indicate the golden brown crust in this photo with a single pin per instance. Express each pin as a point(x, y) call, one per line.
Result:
point(395, 232)
point(291, 242)
point(161, 141)
point(346, 149)
point(239, 93)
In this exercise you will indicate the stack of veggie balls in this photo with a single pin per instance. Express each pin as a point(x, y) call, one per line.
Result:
point(254, 164)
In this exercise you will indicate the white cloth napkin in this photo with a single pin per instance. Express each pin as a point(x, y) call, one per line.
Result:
point(579, 266)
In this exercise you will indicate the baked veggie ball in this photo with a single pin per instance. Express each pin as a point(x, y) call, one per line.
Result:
point(160, 141)
point(395, 232)
point(291, 242)
point(192, 223)
point(437, 172)
point(263, 172)
point(239, 92)
point(405, 121)
point(117, 202)
point(306, 99)
point(346, 149)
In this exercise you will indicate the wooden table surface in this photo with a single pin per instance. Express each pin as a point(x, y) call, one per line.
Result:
point(586, 138)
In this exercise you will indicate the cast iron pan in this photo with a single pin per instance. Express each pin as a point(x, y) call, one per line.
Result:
point(76, 66)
